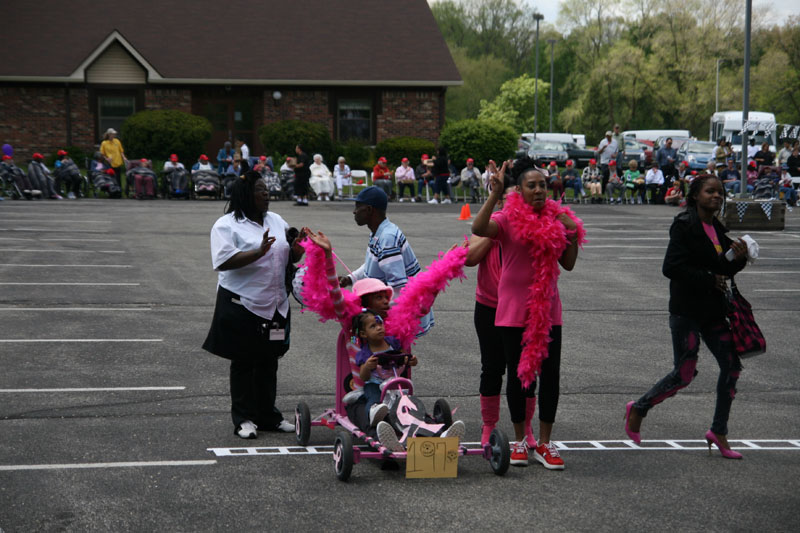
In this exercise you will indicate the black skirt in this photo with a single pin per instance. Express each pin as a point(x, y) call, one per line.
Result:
point(236, 333)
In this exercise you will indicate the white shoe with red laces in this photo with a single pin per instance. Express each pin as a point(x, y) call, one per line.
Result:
point(547, 454)
point(519, 453)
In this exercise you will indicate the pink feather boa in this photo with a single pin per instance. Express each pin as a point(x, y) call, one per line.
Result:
point(546, 238)
point(417, 297)
point(316, 296)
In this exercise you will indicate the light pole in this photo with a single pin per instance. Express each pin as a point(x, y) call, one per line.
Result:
point(748, 11)
point(537, 17)
point(552, 48)
point(716, 105)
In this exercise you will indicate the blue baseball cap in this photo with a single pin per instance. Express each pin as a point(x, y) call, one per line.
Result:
point(373, 196)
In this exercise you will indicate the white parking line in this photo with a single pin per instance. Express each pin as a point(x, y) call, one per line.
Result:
point(94, 389)
point(71, 309)
point(80, 240)
point(776, 290)
point(570, 445)
point(8, 341)
point(70, 466)
point(17, 217)
point(745, 271)
point(71, 283)
point(62, 266)
point(53, 250)
point(66, 230)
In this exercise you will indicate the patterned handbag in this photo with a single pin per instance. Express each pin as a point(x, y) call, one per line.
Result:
point(748, 341)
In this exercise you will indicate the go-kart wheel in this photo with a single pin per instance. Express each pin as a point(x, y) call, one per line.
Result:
point(442, 413)
point(302, 424)
point(343, 455)
point(501, 453)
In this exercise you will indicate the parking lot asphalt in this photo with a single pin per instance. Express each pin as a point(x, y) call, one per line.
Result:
point(112, 418)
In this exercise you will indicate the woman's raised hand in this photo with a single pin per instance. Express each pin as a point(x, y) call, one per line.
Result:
point(320, 239)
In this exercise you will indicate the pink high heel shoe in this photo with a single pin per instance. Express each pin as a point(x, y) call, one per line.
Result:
point(635, 436)
point(727, 453)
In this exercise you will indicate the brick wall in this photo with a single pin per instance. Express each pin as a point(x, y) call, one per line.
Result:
point(34, 120)
point(410, 112)
point(301, 104)
point(178, 99)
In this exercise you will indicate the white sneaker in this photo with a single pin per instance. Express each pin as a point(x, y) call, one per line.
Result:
point(433, 201)
point(247, 430)
point(388, 437)
point(413, 200)
point(446, 201)
point(285, 427)
point(400, 200)
point(71, 195)
point(457, 430)
point(377, 413)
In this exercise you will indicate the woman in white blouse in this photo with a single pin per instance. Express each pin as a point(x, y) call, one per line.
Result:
point(250, 250)
point(321, 179)
point(342, 175)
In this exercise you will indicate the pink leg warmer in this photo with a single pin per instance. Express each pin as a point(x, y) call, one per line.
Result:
point(530, 408)
point(490, 414)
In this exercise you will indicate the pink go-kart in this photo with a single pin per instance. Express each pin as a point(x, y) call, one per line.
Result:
point(406, 413)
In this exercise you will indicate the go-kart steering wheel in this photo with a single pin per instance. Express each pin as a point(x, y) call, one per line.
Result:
point(392, 359)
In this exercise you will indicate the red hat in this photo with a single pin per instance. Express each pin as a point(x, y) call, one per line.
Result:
point(752, 164)
point(381, 159)
point(143, 160)
point(110, 172)
point(570, 162)
point(612, 163)
point(593, 161)
point(62, 152)
point(203, 157)
point(694, 173)
point(6, 157)
point(425, 156)
point(173, 158)
point(263, 158)
point(37, 155)
point(404, 160)
point(553, 164)
point(470, 160)
point(288, 158)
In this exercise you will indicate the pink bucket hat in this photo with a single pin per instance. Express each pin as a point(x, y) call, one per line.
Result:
point(371, 285)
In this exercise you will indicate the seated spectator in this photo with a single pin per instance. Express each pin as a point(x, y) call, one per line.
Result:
point(570, 178)
point(203, 164)
point(106, 180)
point(766, 183)
point(68, 173)
point(144, 180)
point(752, 149)
point(273, 181)
point(683, 170)
point(634, 182)
point(654, 182)
point(730, 178)
point(404, 175)
point(321, 179)
point(231, 174)
point(711, 168)
point(341, 176)
point(224, 158)
point(382, 176)
point(752, 175)
point(787, 187)
point(471, 180)
point(41, 178)
point(764, 157)
point(615, 185)
point(554, 181)
point(794, 162)
point(11, 173)
point(785, 152)
point(175, 175)
point(674, 194)
point(424, 175)
point(593, 180)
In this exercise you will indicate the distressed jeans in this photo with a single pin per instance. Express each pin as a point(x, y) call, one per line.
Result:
point(686, 335)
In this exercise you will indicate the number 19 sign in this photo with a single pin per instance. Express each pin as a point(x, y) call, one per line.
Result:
point(432, 457)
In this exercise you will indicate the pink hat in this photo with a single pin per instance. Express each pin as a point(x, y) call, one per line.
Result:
point(369, 286)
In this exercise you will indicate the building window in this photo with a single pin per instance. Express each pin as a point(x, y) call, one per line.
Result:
point(113, 110)
point(355, 119)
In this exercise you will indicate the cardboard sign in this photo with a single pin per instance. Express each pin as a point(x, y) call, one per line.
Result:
point(431, 457)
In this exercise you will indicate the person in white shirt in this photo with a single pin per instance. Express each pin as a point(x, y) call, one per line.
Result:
point(244, 150)
point(405, 177)
point(321, 179)
point(752, 149)
point(341, 175)
point(250, 249)
point(654, 182)
point(606, 151)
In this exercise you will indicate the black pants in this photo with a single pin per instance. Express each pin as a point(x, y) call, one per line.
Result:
point(493, 358)
point(253, 388)
point(549, 376)
point(401, 187)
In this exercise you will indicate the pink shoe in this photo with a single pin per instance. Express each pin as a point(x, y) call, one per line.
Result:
point(727, 453)
point(635, 436)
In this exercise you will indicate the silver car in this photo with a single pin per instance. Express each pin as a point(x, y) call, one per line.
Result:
point(548, 151)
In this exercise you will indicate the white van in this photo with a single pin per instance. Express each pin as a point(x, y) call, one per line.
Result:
point(653, 135)
point(760, 125)
point(555, 137)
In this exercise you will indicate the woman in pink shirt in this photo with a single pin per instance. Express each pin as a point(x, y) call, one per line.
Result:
point(535, 235)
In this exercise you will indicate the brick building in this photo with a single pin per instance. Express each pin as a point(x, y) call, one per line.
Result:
point(368, 69)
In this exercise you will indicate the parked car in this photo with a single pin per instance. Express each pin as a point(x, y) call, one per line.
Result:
point(696, 154)
point(548, 151)
point(522, 147)
point(677, 142)
point(580, 156)
point(638, 150)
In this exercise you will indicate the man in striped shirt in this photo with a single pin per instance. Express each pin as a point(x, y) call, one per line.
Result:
point(389, 257)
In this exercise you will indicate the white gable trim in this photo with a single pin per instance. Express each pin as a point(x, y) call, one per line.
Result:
point(79, 74)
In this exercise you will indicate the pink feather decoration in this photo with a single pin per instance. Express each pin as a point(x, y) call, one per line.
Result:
point(546, 238)
point(417, 297)
point(316, 290)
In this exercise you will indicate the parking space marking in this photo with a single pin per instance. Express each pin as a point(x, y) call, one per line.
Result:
point(18, 216)
point(776, 290)
point(94, 389)
point(66, 230)
point(79, 240)
point(53, 250)
point(768, 272)
point(70, 466)
point(70, 283)
point(9, 341)
point(569, 445)
point(71, 309)
point(62, 266)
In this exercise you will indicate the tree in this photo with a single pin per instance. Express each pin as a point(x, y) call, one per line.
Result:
point(482, 77)
point(514, 105)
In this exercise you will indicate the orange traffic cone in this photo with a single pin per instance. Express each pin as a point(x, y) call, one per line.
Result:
point(465, 213)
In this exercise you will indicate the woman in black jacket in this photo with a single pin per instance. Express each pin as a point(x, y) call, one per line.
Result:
point(697, 268)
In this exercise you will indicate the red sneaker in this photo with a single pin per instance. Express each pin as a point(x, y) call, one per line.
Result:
point(547, 454)
point(519, 453)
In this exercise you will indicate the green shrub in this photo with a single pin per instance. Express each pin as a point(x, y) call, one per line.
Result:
point(397, 148)
point(284, 135)
point(157, 134)
point(357, 153)
point(481, 140)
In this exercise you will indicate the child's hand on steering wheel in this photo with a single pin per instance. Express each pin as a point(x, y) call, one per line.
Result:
point(372, 362)
point(412, 360)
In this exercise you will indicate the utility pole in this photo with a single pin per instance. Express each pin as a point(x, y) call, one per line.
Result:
point(748, 12)
point(537, 17)
point(552, 48)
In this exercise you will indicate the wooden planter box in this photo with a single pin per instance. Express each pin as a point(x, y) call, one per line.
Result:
point(755, 218)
